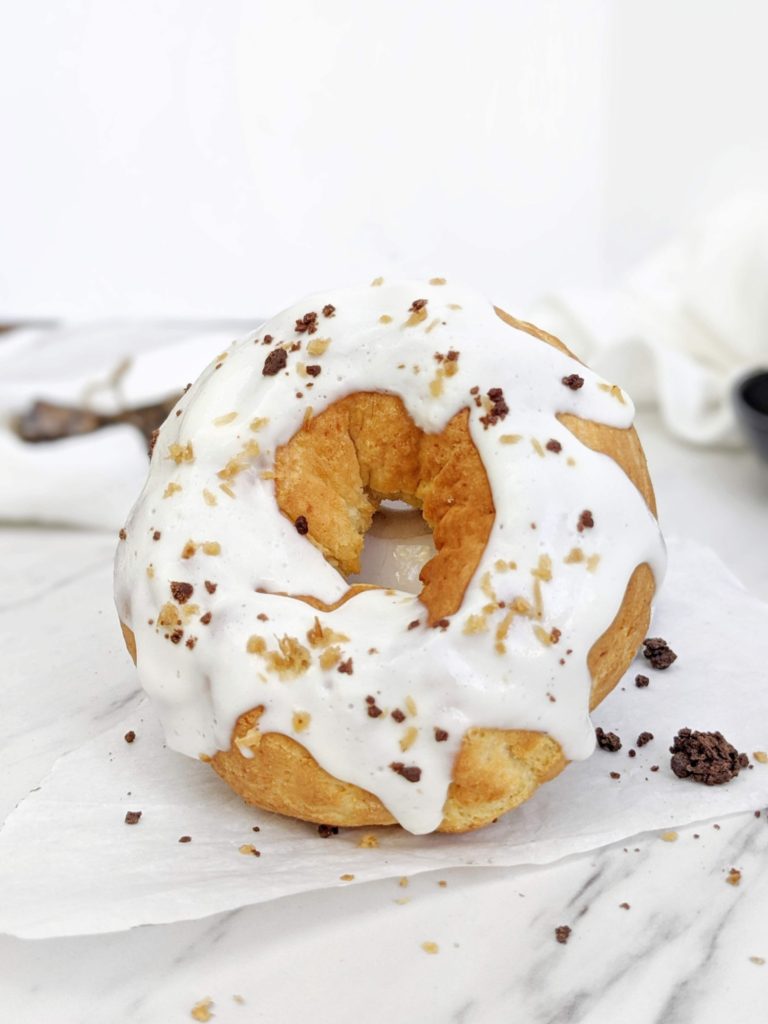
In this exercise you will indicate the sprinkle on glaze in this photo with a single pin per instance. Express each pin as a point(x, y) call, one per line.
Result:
point(503, 659)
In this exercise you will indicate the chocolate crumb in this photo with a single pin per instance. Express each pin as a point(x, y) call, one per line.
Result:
point(409, 772)
point(414, 624)
point(156, 535)
point(440, 735)
point(631, 752)
point(452, 355)
point(301, 524)
point(607, 740)
point(417, 304)
point(132, 817)
point(255, 828)
point(562, 934)
point(314, 370)
point(654, 767)
point(326, 831)
point(573, 381)
point(643, 738)
point(185, 839)
point(275, 362)
point(176, 636)
point(615, 775)
point(181, 591)
point(153, 441)
point(345, 667)
point(262, 617)
point(641, 682)
point(398, 715)
point(475, 390)
point(122, 535)
point(553, 446)
point(130, 736)
point(441, 624)
point(307, 323)
point(268, 339)
point(498, 410)
point(329, 310)
point(190, 642)
point(205, 619)
point(586, 522)
point(705, 757)
point(658, 652)
point(210, 587)
point(374, 711)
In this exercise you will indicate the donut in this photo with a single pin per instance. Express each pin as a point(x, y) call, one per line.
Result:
point(321, 694)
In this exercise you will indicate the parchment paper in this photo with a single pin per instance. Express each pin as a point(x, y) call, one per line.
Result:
point(69, 864)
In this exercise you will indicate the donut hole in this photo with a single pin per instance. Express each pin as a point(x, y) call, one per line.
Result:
point(395, 549)
point(363, 455)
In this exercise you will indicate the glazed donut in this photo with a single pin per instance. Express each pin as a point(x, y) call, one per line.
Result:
point(324, 696)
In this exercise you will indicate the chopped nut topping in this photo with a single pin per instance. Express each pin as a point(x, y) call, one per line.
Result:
point(733, 877)
point(410, 706)
point(211, 547)
point(222, 421)
point(318, 346)
point(669, 837)
point(368, 842)
point(510, 438)
point(202, 1011)
point(171, 489)
point(301, 720)
point(249, 850)
point(210, 499)
point(407, 741)
point(256, 645)
point(330, 657)
point(346, 878)
point(376, 282)
point(181, 453)
point(385, 319)
point(430, 947)
point(761, 756)
point(537, 447)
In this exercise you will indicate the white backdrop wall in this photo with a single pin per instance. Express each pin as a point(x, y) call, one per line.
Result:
point(199, 158)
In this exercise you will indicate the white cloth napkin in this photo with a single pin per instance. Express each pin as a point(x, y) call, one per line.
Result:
point(683, 325)
point(92, 479)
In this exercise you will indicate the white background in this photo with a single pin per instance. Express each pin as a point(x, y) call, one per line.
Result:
point(200, 158)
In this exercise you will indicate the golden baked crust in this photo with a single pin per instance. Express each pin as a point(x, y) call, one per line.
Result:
point(334, 471)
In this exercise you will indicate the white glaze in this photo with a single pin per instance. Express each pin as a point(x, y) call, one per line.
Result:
point(457, 680)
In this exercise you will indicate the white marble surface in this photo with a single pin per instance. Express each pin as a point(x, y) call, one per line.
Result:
point(681, 953)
